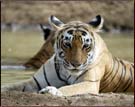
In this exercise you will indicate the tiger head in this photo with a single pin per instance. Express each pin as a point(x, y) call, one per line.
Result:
point(75, 43)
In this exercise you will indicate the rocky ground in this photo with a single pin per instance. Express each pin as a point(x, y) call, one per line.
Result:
point(108, 99)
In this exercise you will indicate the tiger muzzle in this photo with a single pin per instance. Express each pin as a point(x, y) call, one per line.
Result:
point(75, 64)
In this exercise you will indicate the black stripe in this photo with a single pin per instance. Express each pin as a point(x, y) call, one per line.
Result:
point(57, 45)
point(119, 82)
point(57, 67)
point(60, 43)
point(107, 76)
point(80, 76)
point(126, 83)
point(46, 76)
point(80, 26)
point(111, 78)
point(23, 89)
point(68, 77)
point(124, 67)
point(67, 27)
point(130, 79)
point(60, 32)
point(44, 53)
point(39, 87)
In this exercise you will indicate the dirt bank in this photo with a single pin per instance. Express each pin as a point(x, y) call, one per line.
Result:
point(108, 99)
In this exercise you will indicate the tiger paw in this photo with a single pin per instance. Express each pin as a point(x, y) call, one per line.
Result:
point(52, 90)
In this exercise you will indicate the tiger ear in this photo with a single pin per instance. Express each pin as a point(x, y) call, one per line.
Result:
point(97, 23)
point(46, 31)
point(55, 22)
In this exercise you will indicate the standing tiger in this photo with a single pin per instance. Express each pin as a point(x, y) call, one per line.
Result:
point(81, 63)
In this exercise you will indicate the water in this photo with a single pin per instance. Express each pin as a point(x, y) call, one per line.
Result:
point(9, 76)
point(12, 67)
point(16, 49)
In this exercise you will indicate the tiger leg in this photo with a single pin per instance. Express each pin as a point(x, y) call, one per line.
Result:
point(80, 88)
point(88, 82)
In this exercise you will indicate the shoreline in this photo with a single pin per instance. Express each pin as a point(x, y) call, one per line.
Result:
point(15, 98)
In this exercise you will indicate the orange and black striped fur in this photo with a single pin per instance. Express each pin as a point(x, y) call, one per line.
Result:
point(81, 63)
point(119, 78)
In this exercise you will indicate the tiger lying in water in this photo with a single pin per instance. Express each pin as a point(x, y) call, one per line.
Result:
point(81, 64)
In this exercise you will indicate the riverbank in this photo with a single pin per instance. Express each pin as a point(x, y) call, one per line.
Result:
point(108, 99)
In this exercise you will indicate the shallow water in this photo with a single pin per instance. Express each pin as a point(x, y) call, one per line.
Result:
point(15, 75)
point(16, 49)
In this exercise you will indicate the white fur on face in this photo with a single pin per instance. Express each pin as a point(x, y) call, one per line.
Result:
point(67, 37)
point(90, 57)
point(86, 39)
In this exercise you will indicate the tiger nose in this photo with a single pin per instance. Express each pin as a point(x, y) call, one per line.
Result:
point(75, 64)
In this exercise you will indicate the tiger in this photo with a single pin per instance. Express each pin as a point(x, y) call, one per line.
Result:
point(45, 52)
point(47, 31)
point(81, 63)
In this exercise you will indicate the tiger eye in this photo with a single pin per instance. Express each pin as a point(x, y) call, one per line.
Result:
point(66, 38)
point(84, 33)
point(70, 32)
point(67, 44)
